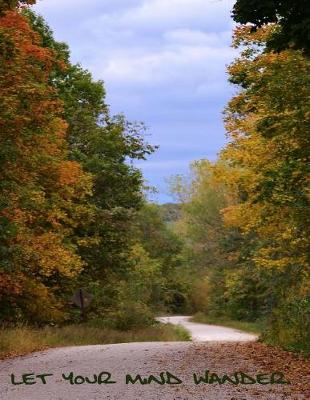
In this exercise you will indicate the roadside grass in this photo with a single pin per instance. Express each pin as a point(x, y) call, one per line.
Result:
point(23, 339)
point(257, 327)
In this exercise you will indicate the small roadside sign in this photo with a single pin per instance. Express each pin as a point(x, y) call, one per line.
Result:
point(82, 299)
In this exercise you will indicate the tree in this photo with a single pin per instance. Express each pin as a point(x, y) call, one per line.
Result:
point(202, 198)
point(268, 129)
point(43, 194)
point(292, 16)
point(224, 280)
point(163, 246)
point(105, 146)
point(7, 5)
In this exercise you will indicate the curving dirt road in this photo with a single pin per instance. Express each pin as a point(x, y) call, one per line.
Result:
point(206, 333)
point(173, 365)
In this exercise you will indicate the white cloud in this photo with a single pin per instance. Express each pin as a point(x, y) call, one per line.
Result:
point(164, 14)
point(184, 65)
point(73, 6)
point(195, 37)
point(172, 60)
point(162, 61)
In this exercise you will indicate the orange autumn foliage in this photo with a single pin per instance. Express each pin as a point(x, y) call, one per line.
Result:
point(42, 193)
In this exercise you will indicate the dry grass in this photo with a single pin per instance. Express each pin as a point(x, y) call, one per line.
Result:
point(22, 340)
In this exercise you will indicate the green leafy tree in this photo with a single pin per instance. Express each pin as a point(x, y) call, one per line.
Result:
point(157, 237)
point(224, 281)
point(292, 16)
point(105, 147)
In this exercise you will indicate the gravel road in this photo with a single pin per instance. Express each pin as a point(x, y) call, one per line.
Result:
point(180, 359)
point(206, 333)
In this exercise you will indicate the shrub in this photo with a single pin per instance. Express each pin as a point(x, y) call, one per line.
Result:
point(290, 325)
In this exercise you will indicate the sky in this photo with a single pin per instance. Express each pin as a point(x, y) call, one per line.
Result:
point(163, 62)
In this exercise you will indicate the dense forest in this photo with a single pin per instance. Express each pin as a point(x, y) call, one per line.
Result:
point(245, 218)
point(73, 208)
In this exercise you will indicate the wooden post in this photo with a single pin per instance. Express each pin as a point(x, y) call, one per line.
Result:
point(82, 305)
